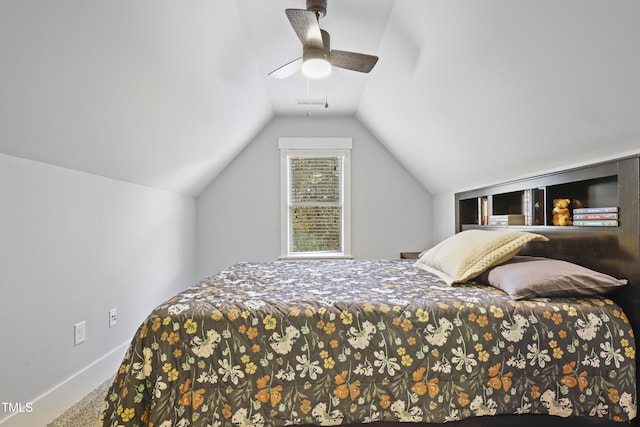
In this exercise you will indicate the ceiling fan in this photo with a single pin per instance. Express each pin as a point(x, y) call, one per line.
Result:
point(317, 57)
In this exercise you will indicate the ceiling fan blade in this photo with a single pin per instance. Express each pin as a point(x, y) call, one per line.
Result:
point(353, 61)
point(287, 69)
point(305, 24)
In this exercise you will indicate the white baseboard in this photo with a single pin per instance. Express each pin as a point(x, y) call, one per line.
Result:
point(52, 403)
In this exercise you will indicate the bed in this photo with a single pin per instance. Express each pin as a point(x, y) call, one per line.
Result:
point(384, 342)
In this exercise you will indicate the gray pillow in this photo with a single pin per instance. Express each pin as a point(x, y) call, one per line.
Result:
point(529, 277)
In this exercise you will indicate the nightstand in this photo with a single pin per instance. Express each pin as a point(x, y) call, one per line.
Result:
point(409, 255)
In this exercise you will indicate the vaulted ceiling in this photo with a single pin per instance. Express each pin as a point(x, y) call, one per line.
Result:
point(165, 94)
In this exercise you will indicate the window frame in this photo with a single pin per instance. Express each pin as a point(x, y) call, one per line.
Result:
point(315, 147)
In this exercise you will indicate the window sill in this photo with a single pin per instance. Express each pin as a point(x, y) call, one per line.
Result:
point(312, 257)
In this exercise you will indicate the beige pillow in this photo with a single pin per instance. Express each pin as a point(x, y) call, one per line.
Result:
point(468, 254)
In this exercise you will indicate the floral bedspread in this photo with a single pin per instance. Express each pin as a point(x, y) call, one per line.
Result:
point(336, 342)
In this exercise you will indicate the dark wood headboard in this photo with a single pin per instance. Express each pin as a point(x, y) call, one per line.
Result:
point(611, 250)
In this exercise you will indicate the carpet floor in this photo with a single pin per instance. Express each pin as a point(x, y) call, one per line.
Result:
point(85, 412)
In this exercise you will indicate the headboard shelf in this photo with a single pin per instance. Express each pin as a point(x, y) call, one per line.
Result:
point(608, 184)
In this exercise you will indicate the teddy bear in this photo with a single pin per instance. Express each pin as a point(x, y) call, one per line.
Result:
point(560, 212)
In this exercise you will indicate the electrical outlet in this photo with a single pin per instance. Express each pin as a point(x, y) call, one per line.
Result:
point(113, 317)
point(80, 333)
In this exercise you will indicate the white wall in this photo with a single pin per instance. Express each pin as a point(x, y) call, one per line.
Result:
point(444, 216)
point(73, 246)
point(239, 213)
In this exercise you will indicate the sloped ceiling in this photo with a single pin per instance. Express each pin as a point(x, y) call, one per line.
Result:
point(165, 94)
point(473, 92)
point(158, 93)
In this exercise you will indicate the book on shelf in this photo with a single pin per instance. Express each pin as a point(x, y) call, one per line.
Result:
point(503, 220)
point(527, 202)
point(484, 210)
point(596, 223)
point(607, 209)
point(598, 216)
point(533, 203)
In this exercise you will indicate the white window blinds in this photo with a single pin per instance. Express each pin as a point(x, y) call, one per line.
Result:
point(315, 201)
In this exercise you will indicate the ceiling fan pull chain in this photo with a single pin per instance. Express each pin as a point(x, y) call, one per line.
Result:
point(326, 102)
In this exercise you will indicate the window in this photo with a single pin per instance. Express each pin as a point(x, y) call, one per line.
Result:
point(315, 180)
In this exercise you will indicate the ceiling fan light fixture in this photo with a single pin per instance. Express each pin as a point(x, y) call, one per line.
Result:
point(315, 61)
point(317, 57)
point(316, 68)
